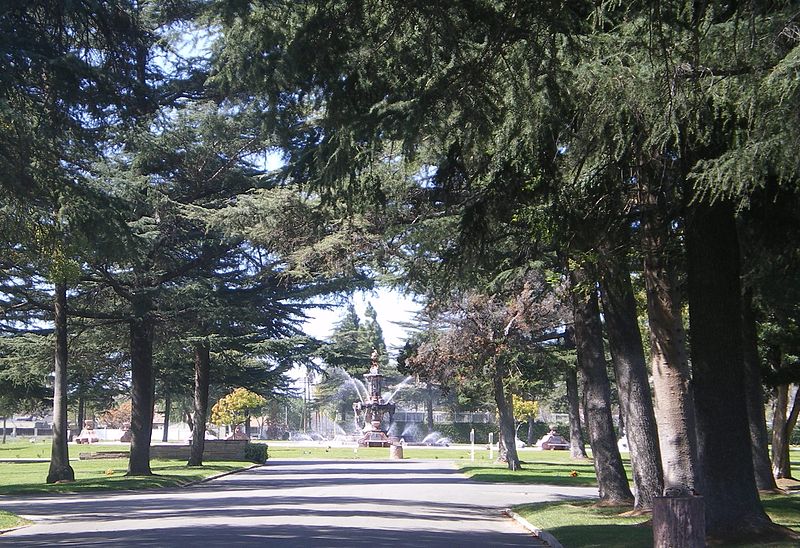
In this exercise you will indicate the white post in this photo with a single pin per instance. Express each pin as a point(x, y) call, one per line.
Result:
point(472, 444)
point(491, 445)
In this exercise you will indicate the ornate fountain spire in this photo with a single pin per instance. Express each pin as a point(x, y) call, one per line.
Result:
point(374, 408)
point(374, 357)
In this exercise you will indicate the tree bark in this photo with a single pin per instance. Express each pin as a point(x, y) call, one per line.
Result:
point(669, 362)
point(762, 468)
point(60, 469)
point(733, 510)
point(782, 427)
point(611, 479)
point(142, 395)
point(167, 405)
point(679, 522)
point(531, 432)
point(188, 416)
point(577, 446)
point(202, 380)
point(633, 387)
point(505, 409)
point(429, 407)
point(81, 410)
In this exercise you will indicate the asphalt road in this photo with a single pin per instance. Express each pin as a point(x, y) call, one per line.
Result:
point(294, 503)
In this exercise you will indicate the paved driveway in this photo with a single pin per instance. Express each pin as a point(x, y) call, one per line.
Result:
point(294, 503)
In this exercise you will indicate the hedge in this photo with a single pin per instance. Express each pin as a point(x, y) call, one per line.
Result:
point(256, 452)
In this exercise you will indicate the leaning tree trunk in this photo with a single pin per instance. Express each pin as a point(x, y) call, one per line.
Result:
point(202, 380)
point(611, 479)
point(733, 510)
point(60, 469)
point(633, 387)
point(505, 409)
point(669, 362)
point(762, 468)
point(167, 405)
point(142, 395)
point(577, 447)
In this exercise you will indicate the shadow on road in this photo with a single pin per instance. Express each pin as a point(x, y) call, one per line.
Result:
point(280, 535)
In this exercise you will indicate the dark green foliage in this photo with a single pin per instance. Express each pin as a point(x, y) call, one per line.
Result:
point(457, 432)
point(256, 452)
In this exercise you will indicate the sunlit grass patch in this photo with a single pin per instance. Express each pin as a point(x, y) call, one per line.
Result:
point(106, 474)
point(10, 521)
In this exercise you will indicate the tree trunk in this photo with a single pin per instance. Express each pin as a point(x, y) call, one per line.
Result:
point(142, 396)
point(633, 386)
point(81, 410)
point(167, 405)
point(531, 432)
point(4, 429)
point(202, 380)
point(679, 522)
point(762, 467)
point(60, 469)
point(577, 447)
point(505, 409)
point(733, 510)
point(188, 416)
point(611, 479)
point(669, 363)
point(782, 427)
point(429, 408)
point(779, 429)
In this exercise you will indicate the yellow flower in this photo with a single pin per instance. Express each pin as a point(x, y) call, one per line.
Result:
point(574, 474)
point(110, 472)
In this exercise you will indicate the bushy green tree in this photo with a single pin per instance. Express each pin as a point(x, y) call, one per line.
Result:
point(235, 408)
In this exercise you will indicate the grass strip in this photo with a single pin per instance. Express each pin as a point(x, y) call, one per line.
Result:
point(107, 475)
point(10, 521)
point(567, 473)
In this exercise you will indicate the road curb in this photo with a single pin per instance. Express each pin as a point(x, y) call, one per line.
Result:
point(541, 533)
point(23, 526)
point(221, 475)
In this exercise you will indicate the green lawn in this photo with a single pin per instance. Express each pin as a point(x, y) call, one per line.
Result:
point(548, 467)
point(41, 449)
point(106, 474)
point(9, 521)
point(95, 475)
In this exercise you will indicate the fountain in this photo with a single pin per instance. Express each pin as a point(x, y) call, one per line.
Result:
point(374, 408)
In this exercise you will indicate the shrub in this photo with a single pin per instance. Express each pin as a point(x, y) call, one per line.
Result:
point(256, 452)
point(458, 432)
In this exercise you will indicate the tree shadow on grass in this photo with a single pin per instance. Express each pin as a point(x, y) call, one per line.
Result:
point(604, 536)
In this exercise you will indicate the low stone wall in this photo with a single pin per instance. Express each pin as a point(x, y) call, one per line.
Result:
point(213, 450)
